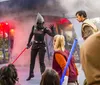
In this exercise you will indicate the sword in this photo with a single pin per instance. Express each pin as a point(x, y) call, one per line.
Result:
point(19, 55)
point(68, 61)
point(22, 52)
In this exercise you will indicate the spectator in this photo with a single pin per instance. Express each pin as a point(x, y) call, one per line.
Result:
point(50, 77)
point(90, 59)
point(8, 75)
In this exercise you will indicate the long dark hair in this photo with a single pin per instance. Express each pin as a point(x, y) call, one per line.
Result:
point(8, 75)
point(50, 77)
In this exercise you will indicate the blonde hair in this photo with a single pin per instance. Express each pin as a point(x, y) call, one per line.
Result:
point(59, 42)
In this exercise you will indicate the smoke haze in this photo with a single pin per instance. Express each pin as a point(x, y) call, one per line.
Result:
point(22, 13)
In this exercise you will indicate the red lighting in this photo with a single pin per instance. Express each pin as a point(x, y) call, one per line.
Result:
point(4, 26)
point(6, 23)
point(11, 32)
point(6, 30)
point(64, 21)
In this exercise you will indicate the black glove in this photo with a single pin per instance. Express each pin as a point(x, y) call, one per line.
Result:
point(29, 45)
point(52, 27)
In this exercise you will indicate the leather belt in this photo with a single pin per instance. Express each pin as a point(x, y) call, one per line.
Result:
point(38, 41)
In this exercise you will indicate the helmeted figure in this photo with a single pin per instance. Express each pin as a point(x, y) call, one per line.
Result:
point(38, 45)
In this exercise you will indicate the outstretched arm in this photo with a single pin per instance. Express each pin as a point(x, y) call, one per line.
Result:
point(52, 32)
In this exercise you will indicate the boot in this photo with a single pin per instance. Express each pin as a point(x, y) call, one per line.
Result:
point(30, 76)
point(31, 73)
point(42, 69)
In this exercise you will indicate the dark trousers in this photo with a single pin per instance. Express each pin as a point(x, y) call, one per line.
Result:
point(34, 51)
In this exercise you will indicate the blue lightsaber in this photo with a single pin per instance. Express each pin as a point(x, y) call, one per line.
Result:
point(68, 61)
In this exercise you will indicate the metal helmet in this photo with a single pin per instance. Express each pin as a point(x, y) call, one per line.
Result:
point(39, 18)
